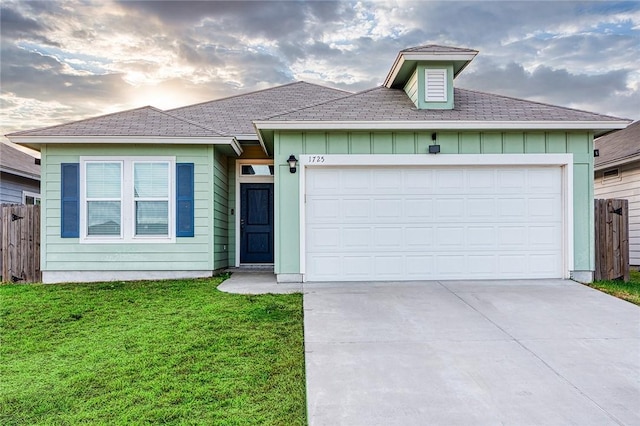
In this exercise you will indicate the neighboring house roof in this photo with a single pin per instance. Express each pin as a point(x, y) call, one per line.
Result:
point(18, 163)
point(386, 106)
point(234, 115)
point(145, 121)
point(619, 147)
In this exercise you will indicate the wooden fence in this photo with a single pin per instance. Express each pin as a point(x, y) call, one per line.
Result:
point(612, 239)
point(20, 243)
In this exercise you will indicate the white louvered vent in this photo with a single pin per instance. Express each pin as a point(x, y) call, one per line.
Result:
point(435, 85)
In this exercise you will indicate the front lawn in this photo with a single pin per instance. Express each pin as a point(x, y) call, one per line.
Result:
point(177, 352)
point(629, 291)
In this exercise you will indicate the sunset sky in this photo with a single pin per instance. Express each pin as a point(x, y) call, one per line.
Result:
point(67, 60)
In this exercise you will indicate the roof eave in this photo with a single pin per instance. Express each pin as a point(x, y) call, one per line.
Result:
point(35, 142)
point(595, 126)
point(617, 162)
point(20, 173)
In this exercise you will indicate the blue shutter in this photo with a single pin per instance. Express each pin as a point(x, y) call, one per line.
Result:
point(184, 200)
point(70, 200)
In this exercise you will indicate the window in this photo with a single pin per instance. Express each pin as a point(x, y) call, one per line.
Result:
point(257, 169)
point(127, 199)
point(30, 198)
point(435, 85)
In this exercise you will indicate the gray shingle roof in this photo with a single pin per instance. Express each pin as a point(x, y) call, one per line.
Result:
point(619, 146)
point(383, 104)
point(145, 121)
point(14, 161)
point(234, 115)
point(434, 48)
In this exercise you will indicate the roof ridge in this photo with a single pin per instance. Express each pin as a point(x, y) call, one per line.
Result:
point(323, 103)
point(82, 120)
point(254, 92)
point(540, 103)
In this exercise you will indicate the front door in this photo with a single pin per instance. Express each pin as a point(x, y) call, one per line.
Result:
point(256, 223)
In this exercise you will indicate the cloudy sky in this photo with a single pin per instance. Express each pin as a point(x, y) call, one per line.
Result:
point(66, 60)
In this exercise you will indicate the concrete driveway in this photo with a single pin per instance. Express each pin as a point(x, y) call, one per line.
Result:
point(544, 352)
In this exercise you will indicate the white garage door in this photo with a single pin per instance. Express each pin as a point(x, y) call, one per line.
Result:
point(410, 223)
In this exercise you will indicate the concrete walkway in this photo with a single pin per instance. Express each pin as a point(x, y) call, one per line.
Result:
point(470, 353)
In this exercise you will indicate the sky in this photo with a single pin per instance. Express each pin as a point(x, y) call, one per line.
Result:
point(67, 60)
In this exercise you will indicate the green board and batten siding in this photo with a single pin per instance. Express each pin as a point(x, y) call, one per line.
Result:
point(199, 253)
point(580, 144)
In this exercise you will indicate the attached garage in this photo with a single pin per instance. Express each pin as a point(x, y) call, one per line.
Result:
point(435, 221)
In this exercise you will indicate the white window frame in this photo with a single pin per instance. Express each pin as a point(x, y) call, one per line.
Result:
point(442, 73)
point(127, 211)
point(34, 195)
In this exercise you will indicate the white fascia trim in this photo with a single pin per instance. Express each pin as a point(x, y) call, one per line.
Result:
point(328, 160)
point(248, 137)
point(440, 125)
point(67, 140)
point(616, 163)
point(261, 140)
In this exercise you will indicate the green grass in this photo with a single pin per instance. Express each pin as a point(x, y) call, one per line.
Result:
point(172, 352)
point(629, 291)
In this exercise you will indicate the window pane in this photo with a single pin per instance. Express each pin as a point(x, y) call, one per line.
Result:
point(151, 180)
point(103, 218)
point(152, 218)
point(257, 170)
point(103, 180)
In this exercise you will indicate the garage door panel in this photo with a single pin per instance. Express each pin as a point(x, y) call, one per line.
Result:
point(482, 265)
point(449, 209)
point(418, 238)
point(420, 181)
point(388, 237)
point(356, 238)
point(481, 237)
point(544, 207)
point(545, 237)
point(419, 266)
point(325, 238)
point(324, 209)
point(511, 181)
point(418, 208)
point(478, 207)
point(388, 266)
point(434, 223)
point(387, 208)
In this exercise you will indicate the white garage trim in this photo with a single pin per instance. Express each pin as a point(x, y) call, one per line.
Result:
point(564, 161)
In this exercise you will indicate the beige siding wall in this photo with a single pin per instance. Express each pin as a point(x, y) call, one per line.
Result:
point(627, 186)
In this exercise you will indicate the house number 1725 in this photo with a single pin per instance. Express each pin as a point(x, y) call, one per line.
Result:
point(316, 159)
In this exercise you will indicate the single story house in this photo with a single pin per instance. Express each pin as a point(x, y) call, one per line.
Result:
point(415, 179)
point(19, 176)
point(617, 175)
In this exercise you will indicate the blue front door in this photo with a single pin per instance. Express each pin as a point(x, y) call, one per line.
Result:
point(256, 223)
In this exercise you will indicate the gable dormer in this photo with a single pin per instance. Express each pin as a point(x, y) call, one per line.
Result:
point(426, 74)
